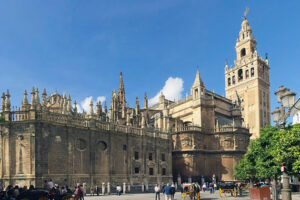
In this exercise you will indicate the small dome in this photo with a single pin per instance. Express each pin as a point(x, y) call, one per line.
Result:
point(245, 22)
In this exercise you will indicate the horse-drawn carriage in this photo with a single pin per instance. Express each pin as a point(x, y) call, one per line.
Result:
point(228, 187)
point(192, 190)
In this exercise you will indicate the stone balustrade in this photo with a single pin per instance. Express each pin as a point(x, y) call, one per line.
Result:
point(80, 120)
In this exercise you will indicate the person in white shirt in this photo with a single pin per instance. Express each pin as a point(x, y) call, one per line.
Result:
point(119, 189)
point(50, 184)
point(157, 192)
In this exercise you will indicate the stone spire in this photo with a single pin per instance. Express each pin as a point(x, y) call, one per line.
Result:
point(64, 104)
point(69, 106)
point(111, 113)
point(137, 106)
point(121, 91)
point(198, 81)
point(75, 107)
point(37, 99)
point(105, 108)
point(98, 109)
point(226, 65)
point(113, 104)
point(143, 121)
point(128, 118)
point(123, 111)
point(7, 101)
point(25, 101)
point(197, 88)
point(146, 101)
point(44, 98)
point(91, 108)
point(3, 102)
point(32, 99)
point(61, 104)
point(121, 84)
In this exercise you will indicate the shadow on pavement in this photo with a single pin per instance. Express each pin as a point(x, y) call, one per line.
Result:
point(208, 198)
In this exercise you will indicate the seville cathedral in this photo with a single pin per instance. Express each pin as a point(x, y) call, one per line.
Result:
point(200, 137)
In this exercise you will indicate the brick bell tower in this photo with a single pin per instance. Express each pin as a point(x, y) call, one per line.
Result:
point(247, 82)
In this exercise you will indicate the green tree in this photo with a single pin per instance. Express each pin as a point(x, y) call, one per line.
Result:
point(2, 118)
point(266, 153)
point(287, 148)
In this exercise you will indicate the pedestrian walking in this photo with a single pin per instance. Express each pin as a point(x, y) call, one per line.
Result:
point(119, 189)
point(204, 187)
point(168, 192)
point(157, 192)
point(172, 191)
point(215, 187)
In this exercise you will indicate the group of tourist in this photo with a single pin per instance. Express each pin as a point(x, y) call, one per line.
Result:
point(167, 190)
point(12, 192)
point(56, 192)
point(50, 190)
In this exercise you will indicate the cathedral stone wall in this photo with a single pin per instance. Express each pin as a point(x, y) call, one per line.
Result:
point(70, 154)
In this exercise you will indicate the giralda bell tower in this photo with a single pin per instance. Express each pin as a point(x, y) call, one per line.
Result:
point(247, 82)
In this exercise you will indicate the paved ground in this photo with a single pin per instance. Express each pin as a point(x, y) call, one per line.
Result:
point(151, 196)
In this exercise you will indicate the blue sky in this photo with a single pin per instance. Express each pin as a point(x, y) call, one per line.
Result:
point(79, 47)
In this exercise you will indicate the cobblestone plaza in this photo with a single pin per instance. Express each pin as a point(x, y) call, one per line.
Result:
point(151, 196)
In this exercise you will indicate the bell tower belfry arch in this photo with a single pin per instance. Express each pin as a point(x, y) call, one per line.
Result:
point(249, 81)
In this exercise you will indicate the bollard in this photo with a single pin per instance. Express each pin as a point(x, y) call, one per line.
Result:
point(147, 187)
point(124, 188)
point(108, 188)
point(143, 187)
point(103, 188)
point(128, 187)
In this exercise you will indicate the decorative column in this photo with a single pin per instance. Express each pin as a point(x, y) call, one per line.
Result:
point(3, 103)
point(32, 106)
point(7, 114)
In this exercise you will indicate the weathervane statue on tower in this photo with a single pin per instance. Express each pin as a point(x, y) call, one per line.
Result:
point(246, 12)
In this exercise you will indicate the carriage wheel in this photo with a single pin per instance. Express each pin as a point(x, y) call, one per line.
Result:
point(183, 196)
point(221, 192)
point(198, 196)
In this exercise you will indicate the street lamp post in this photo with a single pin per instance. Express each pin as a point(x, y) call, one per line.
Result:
point(287, 99)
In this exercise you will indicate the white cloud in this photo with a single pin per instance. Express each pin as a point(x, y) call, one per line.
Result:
point(172, 89)
point(85, 104)
point(101, 98)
